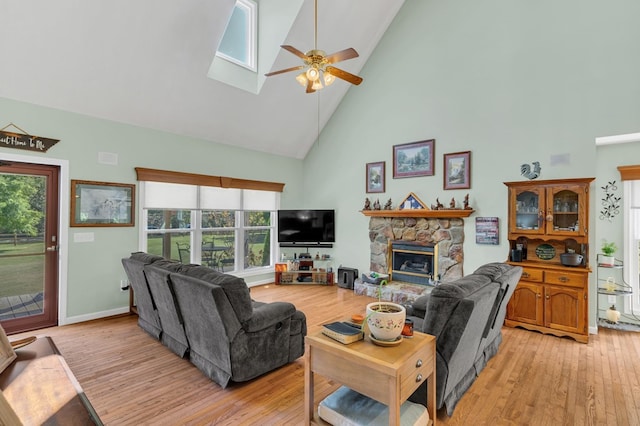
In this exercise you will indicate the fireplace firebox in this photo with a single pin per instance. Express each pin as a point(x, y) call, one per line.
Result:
point(413, 262)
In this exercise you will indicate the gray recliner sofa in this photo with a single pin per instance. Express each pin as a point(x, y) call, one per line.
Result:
point(466, 316)
point(210, 318)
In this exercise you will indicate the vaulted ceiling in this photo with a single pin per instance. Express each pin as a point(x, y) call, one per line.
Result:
point(145, 63)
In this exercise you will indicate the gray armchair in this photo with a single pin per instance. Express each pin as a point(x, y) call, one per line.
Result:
point(232, 337)
point(466, 316)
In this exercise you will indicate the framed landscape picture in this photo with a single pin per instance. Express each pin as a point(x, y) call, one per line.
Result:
point(413, 159)
point(102, 203)
point(375, 175)
point(457, 170)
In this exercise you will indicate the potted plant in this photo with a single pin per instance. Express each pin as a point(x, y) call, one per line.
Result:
point(385, 320)
point(608, 249)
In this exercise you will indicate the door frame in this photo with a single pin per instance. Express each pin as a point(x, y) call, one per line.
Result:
point(63, 222)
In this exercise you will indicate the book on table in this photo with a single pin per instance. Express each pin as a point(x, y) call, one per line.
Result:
point(343, 332)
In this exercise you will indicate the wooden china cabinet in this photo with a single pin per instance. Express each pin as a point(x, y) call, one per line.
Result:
point(546, 219)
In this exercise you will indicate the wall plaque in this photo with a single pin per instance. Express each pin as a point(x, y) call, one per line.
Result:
point(25, 141)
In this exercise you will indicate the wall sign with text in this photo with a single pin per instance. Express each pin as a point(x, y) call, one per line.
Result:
point(487, 230)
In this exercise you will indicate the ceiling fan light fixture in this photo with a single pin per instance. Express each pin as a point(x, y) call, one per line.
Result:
point(302, 79)
point(328, 78)
point(318, 67)
point(313, 74)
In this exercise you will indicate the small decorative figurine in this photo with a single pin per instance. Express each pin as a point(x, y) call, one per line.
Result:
point(367, 204)
point(439, 205)
point(387, 206)
point(452, 203)
point(466, 202)
point(376, 205)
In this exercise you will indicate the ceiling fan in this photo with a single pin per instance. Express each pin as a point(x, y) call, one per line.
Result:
point(318, 69)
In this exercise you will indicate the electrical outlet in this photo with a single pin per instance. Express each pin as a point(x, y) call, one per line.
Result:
point(611, 299)
point(124, 285)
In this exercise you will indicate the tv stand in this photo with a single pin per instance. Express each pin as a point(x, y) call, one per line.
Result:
point(309, 272)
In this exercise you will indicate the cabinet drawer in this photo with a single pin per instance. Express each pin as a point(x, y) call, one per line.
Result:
point(415, 371)
point(570, 279)
point(530, 274)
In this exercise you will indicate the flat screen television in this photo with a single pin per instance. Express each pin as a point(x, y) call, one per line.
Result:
point(306, 226)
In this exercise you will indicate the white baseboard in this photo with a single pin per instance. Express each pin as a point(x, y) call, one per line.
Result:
point(94, 316)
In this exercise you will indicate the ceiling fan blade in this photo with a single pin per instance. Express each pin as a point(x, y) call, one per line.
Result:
point(284, 70)
point(346, 76)
point(295, 51)
point(342, 55)
point(309, 86)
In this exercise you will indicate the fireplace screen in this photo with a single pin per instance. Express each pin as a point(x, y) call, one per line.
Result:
point(413, 263)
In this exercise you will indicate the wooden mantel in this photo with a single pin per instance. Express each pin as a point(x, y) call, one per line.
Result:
point(440, 214)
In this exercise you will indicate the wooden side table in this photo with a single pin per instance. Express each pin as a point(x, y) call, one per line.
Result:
point(387, 374)
point(41, 389)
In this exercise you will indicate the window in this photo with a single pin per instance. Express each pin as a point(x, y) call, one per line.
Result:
point(238, 44)
point(631, 199)
point(228, 229)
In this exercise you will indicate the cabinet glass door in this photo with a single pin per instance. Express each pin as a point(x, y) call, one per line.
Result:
point(529, 211)
point(563, 212)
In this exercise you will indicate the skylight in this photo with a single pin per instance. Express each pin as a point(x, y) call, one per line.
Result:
point(238, 45)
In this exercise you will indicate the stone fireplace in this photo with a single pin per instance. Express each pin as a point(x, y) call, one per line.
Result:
point(441, 231)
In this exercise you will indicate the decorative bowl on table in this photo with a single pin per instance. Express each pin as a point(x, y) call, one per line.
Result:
point(385, 320)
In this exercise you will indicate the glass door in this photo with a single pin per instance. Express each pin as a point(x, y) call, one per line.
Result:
point(527, 205)
point(28, 246)
point(566, 208)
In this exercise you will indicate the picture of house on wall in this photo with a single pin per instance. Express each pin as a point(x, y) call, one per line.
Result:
point(411, 202)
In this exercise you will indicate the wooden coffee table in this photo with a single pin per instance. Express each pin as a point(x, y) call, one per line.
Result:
point(387, 374)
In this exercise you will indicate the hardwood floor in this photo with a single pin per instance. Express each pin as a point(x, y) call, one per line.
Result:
point(535, 379)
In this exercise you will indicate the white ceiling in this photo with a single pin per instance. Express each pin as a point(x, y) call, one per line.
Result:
point(145, 63)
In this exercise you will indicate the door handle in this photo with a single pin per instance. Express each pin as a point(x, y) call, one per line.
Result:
point(52, 248)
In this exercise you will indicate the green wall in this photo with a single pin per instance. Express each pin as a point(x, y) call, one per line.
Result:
point(512, 81)
point(94, 268)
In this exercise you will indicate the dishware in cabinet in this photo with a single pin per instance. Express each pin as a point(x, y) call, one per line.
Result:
point(549, 208)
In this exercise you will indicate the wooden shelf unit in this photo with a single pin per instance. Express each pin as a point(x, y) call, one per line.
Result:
point(440, 214)
point(547, 218)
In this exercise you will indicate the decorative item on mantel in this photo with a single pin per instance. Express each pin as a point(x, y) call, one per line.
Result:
point(452, 204)
point(376, 204)
point(411, 202)
point(367, 204)
point(387, 206)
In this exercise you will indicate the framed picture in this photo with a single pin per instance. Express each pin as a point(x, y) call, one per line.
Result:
point(375, 177)
point(414, 159)
point(102, 203)
point(457, 170)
